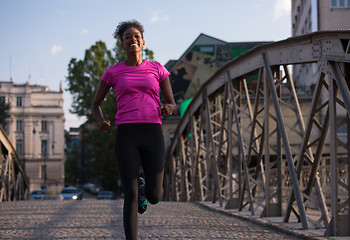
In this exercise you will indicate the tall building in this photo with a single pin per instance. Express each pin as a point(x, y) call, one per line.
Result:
point(36, 129)
point(310, 16)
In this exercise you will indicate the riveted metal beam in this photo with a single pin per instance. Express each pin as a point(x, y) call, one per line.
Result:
point(253, 151)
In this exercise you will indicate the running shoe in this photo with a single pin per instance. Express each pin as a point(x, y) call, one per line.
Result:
point(142, 206)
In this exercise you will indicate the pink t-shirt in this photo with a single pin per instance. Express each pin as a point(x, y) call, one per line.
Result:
point(137, 91)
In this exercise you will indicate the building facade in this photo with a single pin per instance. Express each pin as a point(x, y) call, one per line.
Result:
point(310, 16)
point(317, 15)
point(200, 61)
point(196, 65)
point(36, 129)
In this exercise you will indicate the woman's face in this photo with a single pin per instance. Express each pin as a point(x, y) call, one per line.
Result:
point(132, 40)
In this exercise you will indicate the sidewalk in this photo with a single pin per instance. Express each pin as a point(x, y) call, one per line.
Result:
point(292, 228)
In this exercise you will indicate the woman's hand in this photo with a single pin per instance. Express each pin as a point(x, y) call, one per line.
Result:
point(104, 126)
point(168, 109)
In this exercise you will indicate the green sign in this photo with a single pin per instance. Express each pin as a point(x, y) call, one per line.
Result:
point(183, 106)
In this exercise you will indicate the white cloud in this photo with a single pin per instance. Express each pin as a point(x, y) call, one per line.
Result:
point(282, 8)
point(159, 16)
point(84, 31)
point(56, 49)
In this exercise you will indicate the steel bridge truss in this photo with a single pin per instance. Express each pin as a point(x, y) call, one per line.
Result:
point(14, 184)
point(255, 149)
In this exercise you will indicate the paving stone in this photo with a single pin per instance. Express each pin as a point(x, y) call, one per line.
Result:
point(92, 219)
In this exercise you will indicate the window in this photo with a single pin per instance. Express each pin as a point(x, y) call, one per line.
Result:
point(44, 147)
point(44, 126)
point(340, 3)
point(2, 99)
point(19, 147)
point(19, 102)
point(19, 125)
point(43, 171)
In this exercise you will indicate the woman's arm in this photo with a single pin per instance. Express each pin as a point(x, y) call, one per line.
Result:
point(170, 107)
point(96, 106)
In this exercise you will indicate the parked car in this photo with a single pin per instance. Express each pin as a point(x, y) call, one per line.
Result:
point(71, 193)
point(106, 195)
point(37, 195)
point(91, 188)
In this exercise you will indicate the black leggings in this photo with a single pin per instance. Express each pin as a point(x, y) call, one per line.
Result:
point(135, 144)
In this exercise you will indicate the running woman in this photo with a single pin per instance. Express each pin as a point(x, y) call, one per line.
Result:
point(139, 138)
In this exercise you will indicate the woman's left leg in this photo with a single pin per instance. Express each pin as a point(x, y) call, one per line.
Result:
point(153, 160)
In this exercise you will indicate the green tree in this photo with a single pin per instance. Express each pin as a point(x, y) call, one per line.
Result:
point(120, 54)
point(104, 165)
point(84, 77)
point(83, 80)
point(71, 172)
point(149, 54)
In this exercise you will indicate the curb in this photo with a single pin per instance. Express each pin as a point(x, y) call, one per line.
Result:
point(259, 221)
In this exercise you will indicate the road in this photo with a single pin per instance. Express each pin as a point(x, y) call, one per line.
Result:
point(93, 219)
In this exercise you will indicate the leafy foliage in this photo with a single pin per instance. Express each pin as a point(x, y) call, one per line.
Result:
point(102, 155)
point(120, 54)
point(71, 164)
point(84, 77)
point(71, 167)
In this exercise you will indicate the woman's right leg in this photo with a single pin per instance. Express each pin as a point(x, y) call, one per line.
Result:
point(128, 157)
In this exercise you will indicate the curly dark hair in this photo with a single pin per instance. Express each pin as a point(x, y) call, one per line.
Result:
point(123, 26)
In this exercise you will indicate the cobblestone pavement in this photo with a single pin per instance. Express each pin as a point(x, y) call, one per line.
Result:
point(92, 219)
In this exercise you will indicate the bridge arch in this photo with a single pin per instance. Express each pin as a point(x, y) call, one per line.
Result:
point(14, 183)
point(265, 149)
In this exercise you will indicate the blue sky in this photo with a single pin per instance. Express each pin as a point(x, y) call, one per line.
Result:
point(39, 37)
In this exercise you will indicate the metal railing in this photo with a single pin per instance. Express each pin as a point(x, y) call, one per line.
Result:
point(14, 184)
point(264, 149)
